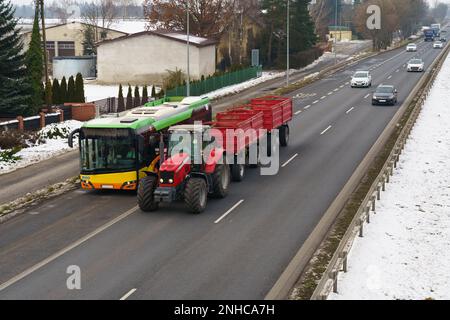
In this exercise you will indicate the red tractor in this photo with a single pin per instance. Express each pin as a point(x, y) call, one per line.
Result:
point(189, 175)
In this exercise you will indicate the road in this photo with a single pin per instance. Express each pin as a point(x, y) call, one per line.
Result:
point(171, 254)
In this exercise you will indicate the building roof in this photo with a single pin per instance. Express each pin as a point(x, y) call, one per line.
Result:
point(73, 22)
point(172, 35)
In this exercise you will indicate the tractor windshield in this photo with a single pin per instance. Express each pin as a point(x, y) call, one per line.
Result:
point(108, 152)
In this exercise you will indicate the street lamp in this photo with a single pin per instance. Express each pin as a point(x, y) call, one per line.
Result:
point(188, 84)
point(335, 33)
point(287, 53)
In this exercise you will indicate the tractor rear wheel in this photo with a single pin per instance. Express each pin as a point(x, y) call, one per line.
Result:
point(284, 135)
point(221, 180)
point(145, 194)
point(196, 195)
point(237, 172)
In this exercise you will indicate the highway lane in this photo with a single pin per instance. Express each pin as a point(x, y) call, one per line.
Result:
point(171, 254)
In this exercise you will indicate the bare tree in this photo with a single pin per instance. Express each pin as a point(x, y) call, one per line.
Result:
point(100, 13)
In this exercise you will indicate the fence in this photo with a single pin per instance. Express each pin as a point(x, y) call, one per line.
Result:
point(339, 261)
point(215, 83)
point(33, 123)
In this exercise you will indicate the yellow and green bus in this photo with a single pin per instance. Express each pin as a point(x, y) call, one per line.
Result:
point(116, 150)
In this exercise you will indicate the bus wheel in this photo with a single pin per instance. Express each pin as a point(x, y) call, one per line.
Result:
point(145, 194)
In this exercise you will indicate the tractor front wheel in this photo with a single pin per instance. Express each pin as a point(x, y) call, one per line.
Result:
point(196, 195)
point(145, 194)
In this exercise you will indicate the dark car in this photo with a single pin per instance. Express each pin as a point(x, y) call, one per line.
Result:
point(443, 39)
point(385, 94)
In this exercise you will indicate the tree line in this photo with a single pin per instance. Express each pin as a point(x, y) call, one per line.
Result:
point(136, 100)
point(60, 92)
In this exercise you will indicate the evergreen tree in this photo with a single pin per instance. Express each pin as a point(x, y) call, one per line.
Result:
point(63, 91)
point(144, 95)
point(15, 86)
point(35, 65)
point(129, 104)
point(137, 98)
point(55, 92)
point(71, 90)
point(302, 34)
point(121, 101)
point(161, 94)
point(153, 91)
point(79, 88)
point(48, 93)
point(89, 47)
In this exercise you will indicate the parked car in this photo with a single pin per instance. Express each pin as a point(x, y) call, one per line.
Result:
point(415, 65)
point(361, 79)
point(411, 47)
point(385, 94)
point(438, 45)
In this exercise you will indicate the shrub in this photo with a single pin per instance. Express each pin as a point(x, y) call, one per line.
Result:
point(9, 155)
point(173, 79)
point(17, 139)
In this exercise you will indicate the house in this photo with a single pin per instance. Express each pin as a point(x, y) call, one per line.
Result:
point(146, 57)
point(67, 39)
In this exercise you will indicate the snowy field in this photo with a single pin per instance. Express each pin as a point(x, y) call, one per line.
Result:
point(405, 253)
point(51, 146)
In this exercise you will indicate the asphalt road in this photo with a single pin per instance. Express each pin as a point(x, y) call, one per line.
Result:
point(171, 254)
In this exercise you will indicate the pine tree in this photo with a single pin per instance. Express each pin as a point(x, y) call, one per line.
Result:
point(15, 86)
point(89, 47)
point(35, 65)
point(48, 93)
point(137, 98)
point(79, 88)
point(153, 91)
point(144, 95)
point(161, 94)
point(63, 91)
point(71, 90)
point(55, 92)
point(121, 101)
point(129, 99)
point(303, 35)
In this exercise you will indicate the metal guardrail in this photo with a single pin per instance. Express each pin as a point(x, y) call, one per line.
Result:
point(339, 261)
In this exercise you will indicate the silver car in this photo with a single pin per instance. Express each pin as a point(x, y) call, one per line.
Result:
point(361, 79)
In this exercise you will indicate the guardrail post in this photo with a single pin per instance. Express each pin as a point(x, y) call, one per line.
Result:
point(387, 176)
point(361, 229)
point(344, 261)
point(333, 276)
point(368, 214)
point(373, 203)
point(383, 185)
point(378, 192)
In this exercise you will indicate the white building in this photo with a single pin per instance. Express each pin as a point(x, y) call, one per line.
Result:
point(145, 57)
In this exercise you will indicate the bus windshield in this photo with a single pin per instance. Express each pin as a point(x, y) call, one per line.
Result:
point(108, 153)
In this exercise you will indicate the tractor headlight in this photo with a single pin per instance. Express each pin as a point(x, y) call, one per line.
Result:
point(161, 180)
point(170, 180)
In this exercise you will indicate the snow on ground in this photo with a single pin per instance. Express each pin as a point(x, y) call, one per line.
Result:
point(52, 146)
point(405, 253)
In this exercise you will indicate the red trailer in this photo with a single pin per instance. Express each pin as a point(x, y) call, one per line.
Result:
point(246, 125)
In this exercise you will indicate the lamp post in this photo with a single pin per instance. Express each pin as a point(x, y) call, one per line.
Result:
point(287, 53)
point(44, 38)
point(188, 84)
point(335, 34)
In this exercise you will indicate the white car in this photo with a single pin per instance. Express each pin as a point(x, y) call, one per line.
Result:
point(415, 65)
point(361, 79)
point(412, 47)
point(438, 45)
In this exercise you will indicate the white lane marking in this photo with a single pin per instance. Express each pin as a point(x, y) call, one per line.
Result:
point(229, 211)
point(330, 93)
point(289, 161)
point(128, 294)
point(367, 95)
point(341, 86)
point(389, 77)
point(398, 70)
point(324, 131)
point(315, 101)
point(350, 110)
point(335, 90)
point(308, 106)
point(298, 112)
point(323, 97)
point(347, 82)
point(58, 254)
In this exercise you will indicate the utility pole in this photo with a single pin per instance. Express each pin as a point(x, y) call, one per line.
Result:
point(335, 34)
point(44, 39)
point(288, 44)
point(188, 83)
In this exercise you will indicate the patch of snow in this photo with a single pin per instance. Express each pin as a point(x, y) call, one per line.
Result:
point(405, 251)
point(40, 152)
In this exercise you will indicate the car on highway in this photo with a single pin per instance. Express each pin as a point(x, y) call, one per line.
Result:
point(385, 94)
point(443, 39)
point(438, 45)
point(415, 65)
point(411, 47)
point(361, 79)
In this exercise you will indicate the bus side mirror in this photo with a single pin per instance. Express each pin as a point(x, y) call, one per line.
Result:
point(74, 132)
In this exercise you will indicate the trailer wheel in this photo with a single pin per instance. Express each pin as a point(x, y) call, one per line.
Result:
point(145, 194)
point(237, 172)
point(221, 180)
point(284, 135)
point(196, 195)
